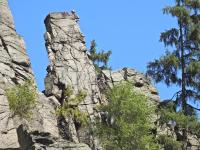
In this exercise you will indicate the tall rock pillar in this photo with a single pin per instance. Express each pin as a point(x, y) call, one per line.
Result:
point(70, 66)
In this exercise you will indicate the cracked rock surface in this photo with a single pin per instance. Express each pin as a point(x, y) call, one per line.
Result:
point(70, 66)
point(139, 81)
point(14, 69)
point(41, 132)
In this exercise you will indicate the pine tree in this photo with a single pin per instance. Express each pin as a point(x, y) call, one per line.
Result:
point(181, 66)
point(100, 59)
point(126, 120)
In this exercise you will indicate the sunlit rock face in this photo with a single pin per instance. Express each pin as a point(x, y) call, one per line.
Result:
point(70, 66)
point(69, 63)
point(15, 64)
point(14, 68)
point(107, 79)
point(41, 131)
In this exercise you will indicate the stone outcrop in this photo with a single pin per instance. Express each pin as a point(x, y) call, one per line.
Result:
point(70, 66)
point(14, 68)
point(139, 81)
point(41, 132)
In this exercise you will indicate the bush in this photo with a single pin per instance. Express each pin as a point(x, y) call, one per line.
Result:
point(22, 99)
point(126, 123)
point(169, 143)
point(178, 121)
point(70, 106)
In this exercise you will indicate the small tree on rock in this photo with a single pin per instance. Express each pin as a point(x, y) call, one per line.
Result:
point(126, 124)
point(99, 59)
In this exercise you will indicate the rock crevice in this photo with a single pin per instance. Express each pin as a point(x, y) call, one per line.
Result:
point(69, 66)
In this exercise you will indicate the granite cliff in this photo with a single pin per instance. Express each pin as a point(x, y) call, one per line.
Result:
point(69, 66)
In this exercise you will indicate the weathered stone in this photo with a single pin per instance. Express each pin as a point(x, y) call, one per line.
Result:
point(140, 83)
point(8, 134)
point(14, 68)
point(44, 117)
point(70, 66)
point(66, 145)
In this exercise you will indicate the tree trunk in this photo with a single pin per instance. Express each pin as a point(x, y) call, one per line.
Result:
point(183, 87)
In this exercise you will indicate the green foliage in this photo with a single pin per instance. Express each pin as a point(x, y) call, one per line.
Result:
point(75, 113)
point(127, 124)
point(100, 59)
point(180, 67)
point(68, 91)
point(169, 143)
point(166, 69)
point(70, 106)
point(195, 128)
point(177, 118)
point(180, 12)
point(22, 99)
point(173, 118)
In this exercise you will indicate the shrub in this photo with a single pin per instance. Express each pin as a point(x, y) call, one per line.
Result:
point(169, 142)
point(22, 99)
point(126, 124)
point(178, 121)
point(70, 106)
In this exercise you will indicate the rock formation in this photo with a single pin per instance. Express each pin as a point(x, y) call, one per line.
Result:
point(15, 133)
point(69, 66)
point(14, 68)
point(139, 81)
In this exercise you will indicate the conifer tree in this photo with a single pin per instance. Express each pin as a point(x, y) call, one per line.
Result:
point(100, 59)
point(181, 65)
point(126, 120)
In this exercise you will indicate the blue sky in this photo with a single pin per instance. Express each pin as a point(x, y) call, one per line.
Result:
point(129, 28)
